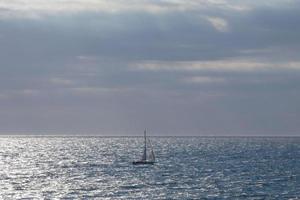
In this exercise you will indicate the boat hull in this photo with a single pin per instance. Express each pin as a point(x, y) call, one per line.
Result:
point(143, 163)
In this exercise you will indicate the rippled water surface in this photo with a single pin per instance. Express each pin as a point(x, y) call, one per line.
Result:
point(187, 168)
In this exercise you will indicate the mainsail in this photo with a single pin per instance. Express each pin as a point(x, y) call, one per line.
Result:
point(151, 156)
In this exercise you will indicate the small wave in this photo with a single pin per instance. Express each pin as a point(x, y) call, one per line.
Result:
point(129, 187)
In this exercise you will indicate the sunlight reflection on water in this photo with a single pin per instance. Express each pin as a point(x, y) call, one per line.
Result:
point(187, 168)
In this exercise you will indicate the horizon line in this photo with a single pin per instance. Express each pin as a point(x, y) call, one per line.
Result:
point(161, 136)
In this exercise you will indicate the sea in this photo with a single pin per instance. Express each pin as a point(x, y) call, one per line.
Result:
point(75, 167)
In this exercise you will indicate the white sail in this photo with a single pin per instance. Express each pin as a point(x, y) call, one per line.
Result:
point(151, 156)
point(144, 157)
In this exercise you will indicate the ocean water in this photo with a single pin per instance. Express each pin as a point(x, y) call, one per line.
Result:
point(186, 168)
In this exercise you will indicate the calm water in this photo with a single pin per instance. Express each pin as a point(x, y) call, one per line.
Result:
point(187, 168)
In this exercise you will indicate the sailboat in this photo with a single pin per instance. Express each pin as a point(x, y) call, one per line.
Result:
point(146, 159)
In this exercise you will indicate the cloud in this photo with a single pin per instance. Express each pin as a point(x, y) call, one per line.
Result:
point(29, 92)
point(97, 90)
point(36, 9)
point(61, 82)
point(203, 80)
point(220, 65)
point(219, 23)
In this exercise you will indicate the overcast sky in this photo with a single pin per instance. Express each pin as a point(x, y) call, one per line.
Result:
point(176, 67)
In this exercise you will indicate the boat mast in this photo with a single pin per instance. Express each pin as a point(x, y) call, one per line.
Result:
point(145, 147)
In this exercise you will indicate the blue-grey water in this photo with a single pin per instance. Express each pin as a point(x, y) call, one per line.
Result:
point(186, 168)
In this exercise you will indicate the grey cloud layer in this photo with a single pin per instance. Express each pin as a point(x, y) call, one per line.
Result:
point(195, 67)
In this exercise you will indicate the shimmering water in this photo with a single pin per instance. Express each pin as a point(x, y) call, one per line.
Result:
point(187, 168)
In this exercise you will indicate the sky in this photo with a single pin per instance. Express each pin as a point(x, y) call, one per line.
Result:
point(175, 67)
